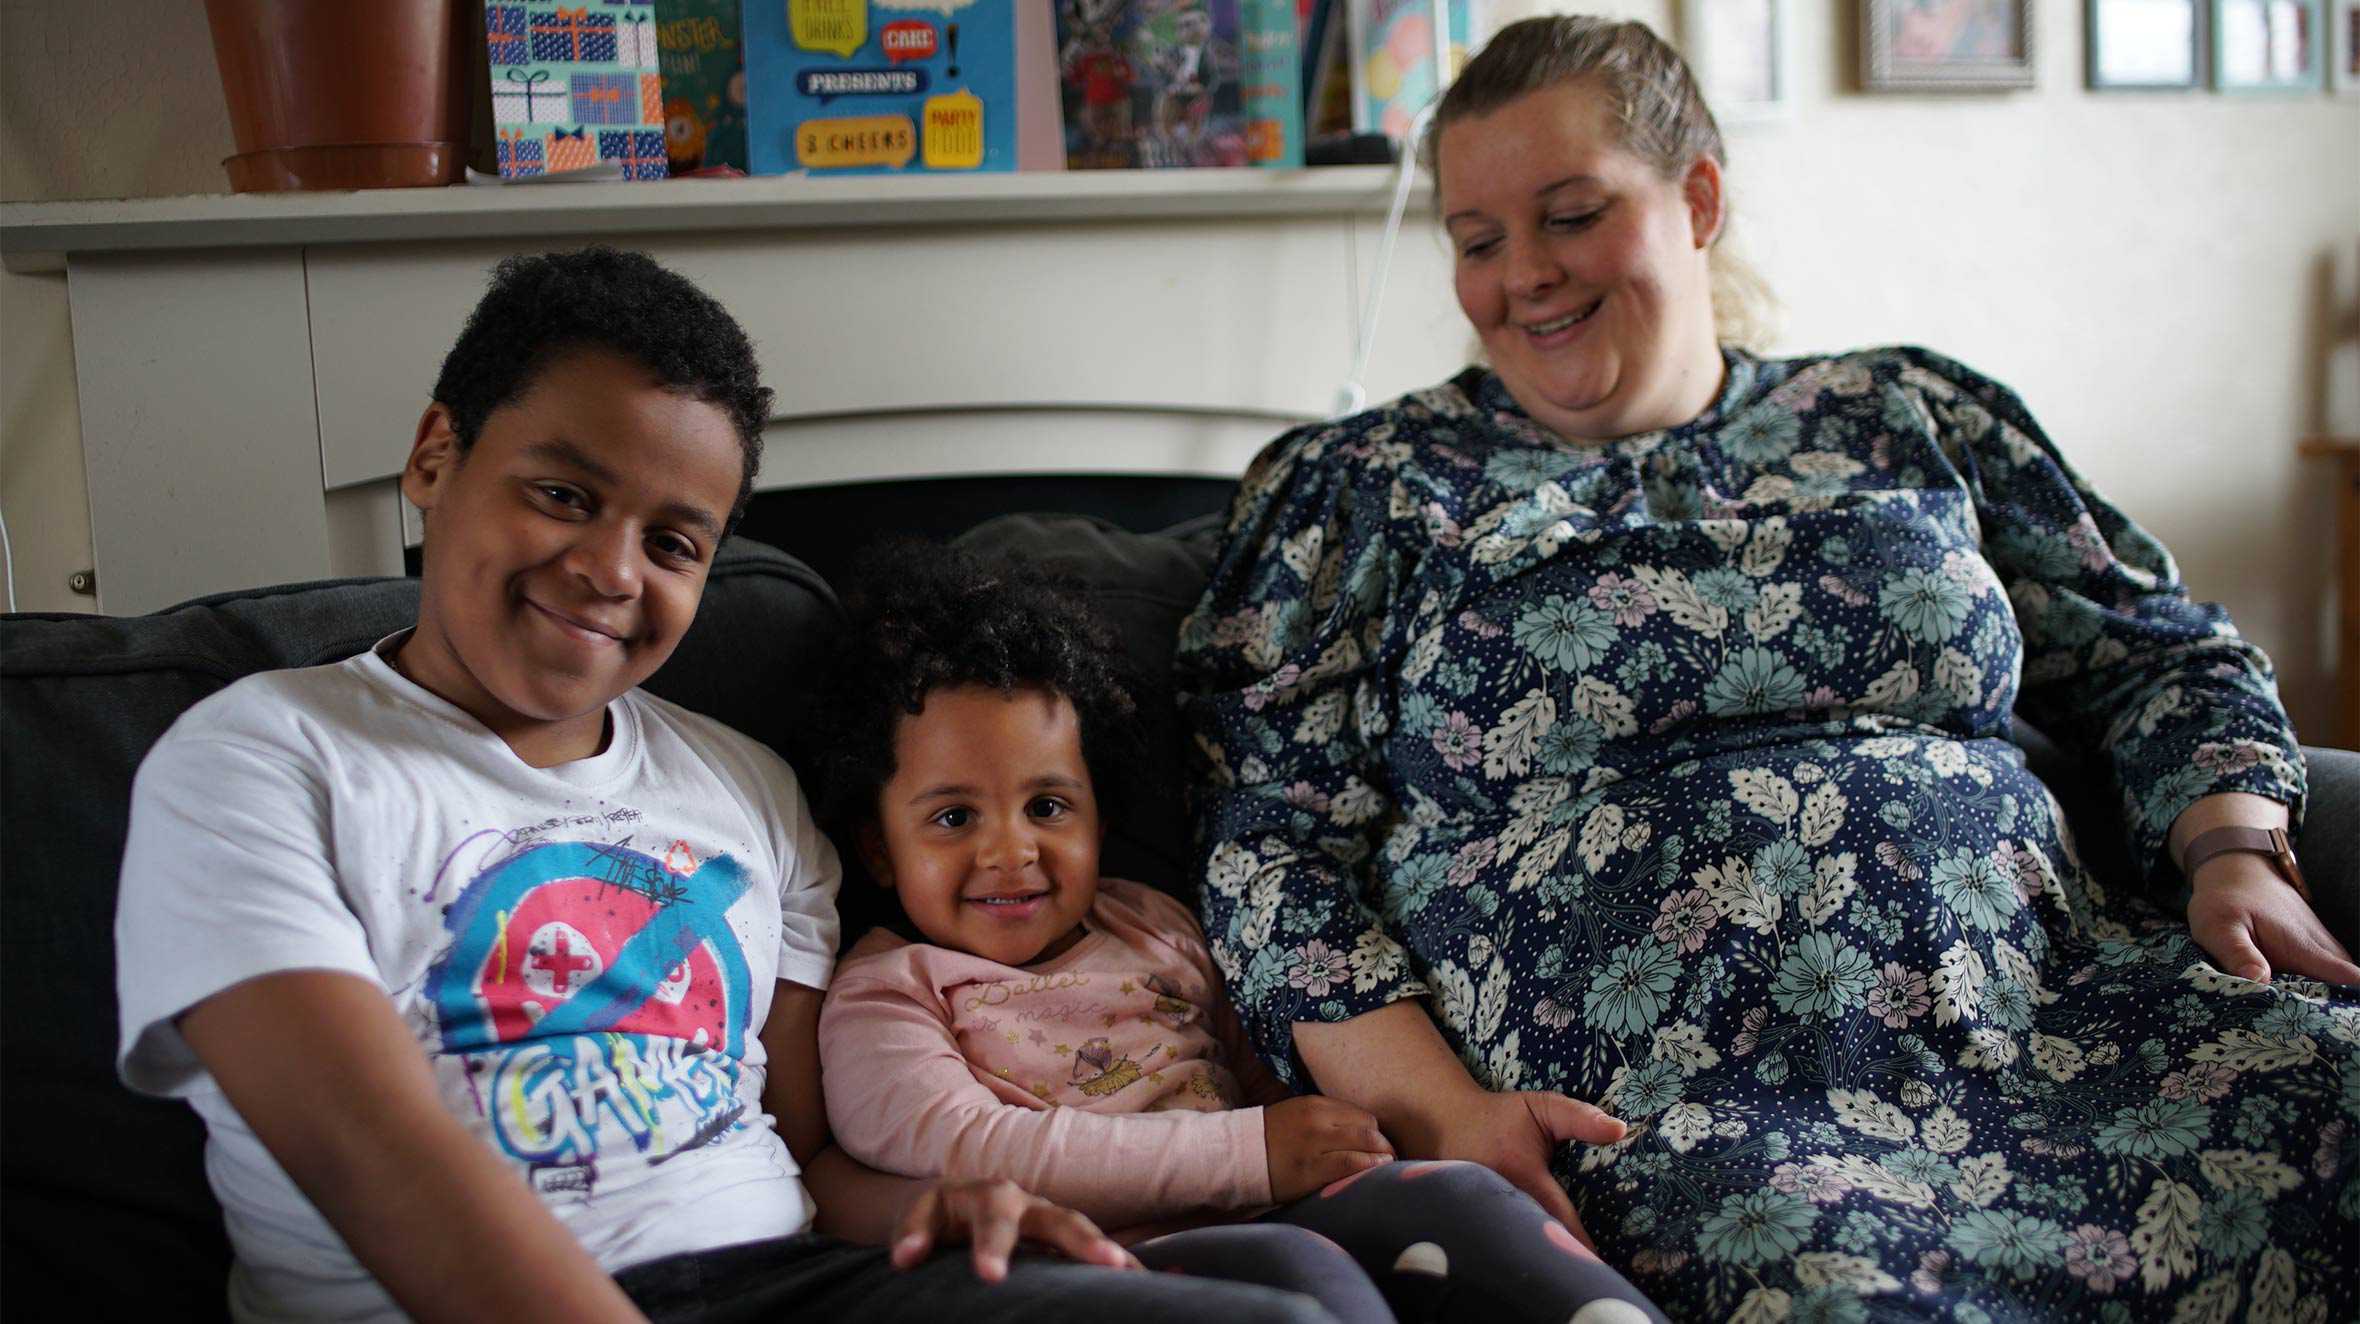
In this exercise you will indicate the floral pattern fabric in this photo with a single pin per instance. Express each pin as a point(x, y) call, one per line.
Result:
point(1673, 773)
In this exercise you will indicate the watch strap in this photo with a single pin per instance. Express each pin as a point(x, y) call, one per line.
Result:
point(2271, 842)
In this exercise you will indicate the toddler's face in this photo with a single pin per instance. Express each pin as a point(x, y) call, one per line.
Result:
point(988, 831)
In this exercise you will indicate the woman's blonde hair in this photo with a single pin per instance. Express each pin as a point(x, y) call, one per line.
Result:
point(1665, 123)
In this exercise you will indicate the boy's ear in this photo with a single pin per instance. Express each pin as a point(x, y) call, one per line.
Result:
point(434, 456)
point(869, 840)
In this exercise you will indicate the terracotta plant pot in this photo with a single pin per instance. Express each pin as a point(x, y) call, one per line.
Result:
point(343, 94)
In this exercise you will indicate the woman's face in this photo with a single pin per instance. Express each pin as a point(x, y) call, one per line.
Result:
point(1583, 270)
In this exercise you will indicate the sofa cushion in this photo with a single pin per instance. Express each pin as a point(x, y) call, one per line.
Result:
point(85, 696)
point(1141, 584)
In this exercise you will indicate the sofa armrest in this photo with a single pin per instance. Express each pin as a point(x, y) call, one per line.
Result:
point(2329, 843)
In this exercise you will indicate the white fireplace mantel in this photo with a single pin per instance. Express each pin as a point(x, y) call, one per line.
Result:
point(251, 367)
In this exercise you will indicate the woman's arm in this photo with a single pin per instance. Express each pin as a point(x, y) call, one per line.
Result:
point(2120, 663)
point(332, 1082)
point(1285, 665)
point(1394, 1063)
point(1282, 669)
point(2242, 911)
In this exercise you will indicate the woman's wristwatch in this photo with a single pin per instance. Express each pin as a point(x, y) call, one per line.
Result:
point(2270, 842)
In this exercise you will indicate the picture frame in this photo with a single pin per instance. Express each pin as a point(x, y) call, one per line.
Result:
point(1946, 45)
point(1739, 52)
point(2267, 45)
point(2144, 45)
point(2343, 47)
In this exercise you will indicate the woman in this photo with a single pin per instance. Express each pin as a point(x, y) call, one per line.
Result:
point(1627, 721)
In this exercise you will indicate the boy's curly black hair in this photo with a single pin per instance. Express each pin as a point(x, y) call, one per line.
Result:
point(925, 616)
point(544, 306)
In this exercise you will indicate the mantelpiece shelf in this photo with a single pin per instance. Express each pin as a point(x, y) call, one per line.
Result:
point(35, 236)
point(257, 362)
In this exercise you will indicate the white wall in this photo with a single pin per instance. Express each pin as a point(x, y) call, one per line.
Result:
point(110, 100)
point(2172, 281)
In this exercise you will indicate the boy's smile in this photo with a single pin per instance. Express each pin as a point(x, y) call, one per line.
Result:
point(567, 549)
point(988, 830)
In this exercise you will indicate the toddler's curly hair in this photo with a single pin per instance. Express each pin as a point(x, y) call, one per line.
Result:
point(925, 617)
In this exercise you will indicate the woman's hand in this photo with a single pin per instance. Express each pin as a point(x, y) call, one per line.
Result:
point(993, 1216)
point(1394, 1062)
point(1314, 1140)
point(2252, 923)
point(1514, 1135)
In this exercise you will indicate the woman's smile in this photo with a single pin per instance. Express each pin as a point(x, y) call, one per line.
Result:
point(1557, 332)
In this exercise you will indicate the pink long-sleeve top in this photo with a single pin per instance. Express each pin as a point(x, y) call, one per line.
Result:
point(1114, 1078)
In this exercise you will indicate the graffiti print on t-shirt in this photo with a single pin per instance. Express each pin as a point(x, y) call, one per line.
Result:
point(599, 1000)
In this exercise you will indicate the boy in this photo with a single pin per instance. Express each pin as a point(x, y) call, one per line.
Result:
point(482, 966)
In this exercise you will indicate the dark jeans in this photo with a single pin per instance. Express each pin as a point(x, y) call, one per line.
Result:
point(1417, 1241)
point(821, 1279)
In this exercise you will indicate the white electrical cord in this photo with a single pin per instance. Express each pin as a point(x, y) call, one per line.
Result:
point(10, 553)
point(1352, 397)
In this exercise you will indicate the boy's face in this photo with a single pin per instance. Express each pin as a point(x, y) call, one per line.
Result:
point(565, 552)
point(988, 831)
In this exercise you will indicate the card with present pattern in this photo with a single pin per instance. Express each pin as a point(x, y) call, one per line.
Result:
point(576, 85)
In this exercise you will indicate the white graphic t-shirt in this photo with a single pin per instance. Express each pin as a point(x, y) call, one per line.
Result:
point(586, 953)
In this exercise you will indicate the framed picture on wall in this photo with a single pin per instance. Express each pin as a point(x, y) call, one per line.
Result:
point(2343, 47)
point(1946, 45)
point(2149, 45)
point(1738, 50)
point(2266, 45)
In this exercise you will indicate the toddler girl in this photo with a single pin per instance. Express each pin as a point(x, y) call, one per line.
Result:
point(1026, 1018)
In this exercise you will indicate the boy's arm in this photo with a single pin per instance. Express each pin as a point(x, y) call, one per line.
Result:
point(902, 1098)
point(321, 1067)
point(791, 1092)
point(990, 1216)
point(857, 1202)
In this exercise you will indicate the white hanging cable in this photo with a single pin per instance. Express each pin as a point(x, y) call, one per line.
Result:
point(1352, 397)
point(9, 553)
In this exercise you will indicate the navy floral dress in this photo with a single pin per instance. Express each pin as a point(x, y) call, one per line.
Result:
point(1674, 773)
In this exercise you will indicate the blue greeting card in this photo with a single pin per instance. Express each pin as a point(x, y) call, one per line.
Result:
point(880, 86)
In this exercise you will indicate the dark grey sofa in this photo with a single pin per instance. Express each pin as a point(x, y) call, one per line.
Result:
point(103, 1203)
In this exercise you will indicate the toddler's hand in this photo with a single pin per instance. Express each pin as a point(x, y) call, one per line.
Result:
point(1316, 1140)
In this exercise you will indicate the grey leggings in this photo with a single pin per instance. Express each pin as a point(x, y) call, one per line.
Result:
point(824, 1281)
point(1414, 1241)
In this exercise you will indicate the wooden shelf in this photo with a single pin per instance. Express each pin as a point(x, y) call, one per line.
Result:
point(35, 236)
